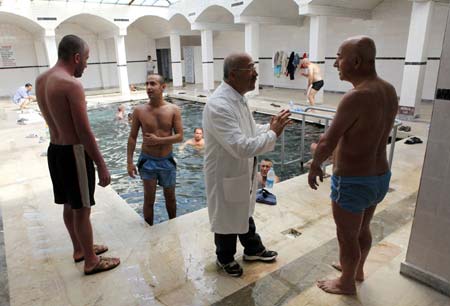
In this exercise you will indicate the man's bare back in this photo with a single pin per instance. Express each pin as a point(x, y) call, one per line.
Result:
point(52, 90)
point(314, 73)
point(361, 151)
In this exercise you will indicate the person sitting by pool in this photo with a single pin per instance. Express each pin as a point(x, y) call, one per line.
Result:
point(197, 141)
point(161, 127)
point(22, 97)
point(120, 114)
point(264, 167)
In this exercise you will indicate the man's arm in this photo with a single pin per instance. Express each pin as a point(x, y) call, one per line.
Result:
point(131, 145)
point(346, 115)
point(177, 136)
point(223, 124)
point(77, 103)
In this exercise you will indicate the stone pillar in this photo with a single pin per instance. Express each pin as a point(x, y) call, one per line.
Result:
point(317, 48)
point(428, 256)
point(51, 48)
point(121, 58)
point(41, 55)
point(103, 58)
point(252, 48)
point(175, 54)
point(152, 52)
point(207, 59)
point(415, 60)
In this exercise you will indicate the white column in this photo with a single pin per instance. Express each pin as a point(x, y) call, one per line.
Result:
point(152, 52)
point(50, 47)
point(175, 54)
point(207, 59)
point(41, 55)
point(252, 48)
point(103, 58)
point(121, 58)
point(317, 48)
point(415, 60)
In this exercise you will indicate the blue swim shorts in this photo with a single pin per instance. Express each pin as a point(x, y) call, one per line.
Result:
point(162, 169)
point(356, 193)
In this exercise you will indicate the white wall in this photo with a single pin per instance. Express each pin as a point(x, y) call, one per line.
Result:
point(136, 45)
point(22, 43)
point(225, 43)
point(287, 39)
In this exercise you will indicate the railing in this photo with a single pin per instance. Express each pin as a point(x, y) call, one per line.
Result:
point(327, 120)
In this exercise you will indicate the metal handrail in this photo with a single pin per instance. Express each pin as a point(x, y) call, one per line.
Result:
point(304, 113)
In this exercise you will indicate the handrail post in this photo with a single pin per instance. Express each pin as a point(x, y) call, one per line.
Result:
point(302, 143)
point(391, 150)
point(282, 151)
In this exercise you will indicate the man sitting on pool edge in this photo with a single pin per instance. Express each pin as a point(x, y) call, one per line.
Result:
point(161, 127)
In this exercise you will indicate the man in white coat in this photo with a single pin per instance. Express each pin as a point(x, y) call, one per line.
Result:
point(232, 141)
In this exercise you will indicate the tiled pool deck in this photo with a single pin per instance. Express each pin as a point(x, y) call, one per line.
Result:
point(172, 263)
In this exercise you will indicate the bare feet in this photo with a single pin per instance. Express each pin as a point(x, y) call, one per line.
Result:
point(335, 286)
point(359, 274)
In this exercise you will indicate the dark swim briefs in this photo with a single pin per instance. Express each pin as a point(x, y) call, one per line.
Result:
point(73, 175)
point(317, 85)
point(163, 169)
point(356, 193)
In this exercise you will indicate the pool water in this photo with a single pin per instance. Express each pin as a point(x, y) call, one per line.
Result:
point(112, 137)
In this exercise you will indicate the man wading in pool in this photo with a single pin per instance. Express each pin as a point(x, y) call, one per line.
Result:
point(361, 175)
point(161, 128)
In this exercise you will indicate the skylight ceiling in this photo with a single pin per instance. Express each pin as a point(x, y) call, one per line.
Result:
point(157, 3)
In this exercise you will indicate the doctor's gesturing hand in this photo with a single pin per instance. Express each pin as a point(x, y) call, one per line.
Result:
point(279, 121)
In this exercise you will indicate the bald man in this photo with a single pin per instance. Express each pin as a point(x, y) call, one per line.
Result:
point(315, 81)
point(359, 133)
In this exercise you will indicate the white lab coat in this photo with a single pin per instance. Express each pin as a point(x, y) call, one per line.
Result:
point(232, 141)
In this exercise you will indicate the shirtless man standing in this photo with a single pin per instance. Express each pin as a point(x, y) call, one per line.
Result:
point(161, 128)
point(73, 150)
point(315, 82)
point(361, 175)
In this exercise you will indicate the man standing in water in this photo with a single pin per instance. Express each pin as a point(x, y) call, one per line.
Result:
point(315, 82)
point(73, 150)
point(361, 175)
point(161, 128)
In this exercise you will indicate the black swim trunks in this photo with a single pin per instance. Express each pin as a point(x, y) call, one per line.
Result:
point(317, 85)
point(73, 175)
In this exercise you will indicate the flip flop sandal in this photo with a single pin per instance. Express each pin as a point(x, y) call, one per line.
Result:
point(104, 264)
point(98, 249)
point(275, 105)
point(413, 140)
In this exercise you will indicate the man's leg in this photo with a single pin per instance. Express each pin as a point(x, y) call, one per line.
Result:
point(171, 202)
point(149, 199)
point(365, 243)
point(251, 241)
point(83, 230)
point(225, 247)
point(69, 222)
point(348, 227)
point(312, 96)
point(365, 240)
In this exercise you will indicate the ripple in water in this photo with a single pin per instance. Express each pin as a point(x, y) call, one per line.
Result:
point(112, 138)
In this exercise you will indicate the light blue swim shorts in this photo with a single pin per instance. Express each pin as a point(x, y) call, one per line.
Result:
point(356, 193)
point(163, 169)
